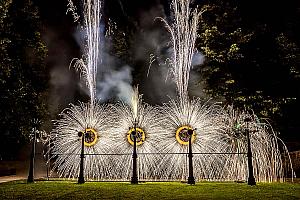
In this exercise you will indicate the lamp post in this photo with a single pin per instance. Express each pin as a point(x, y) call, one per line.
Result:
point(30, 178)
point(191, 179)
point(45, 139)
point(48, 161)
point(134, 178)
point(251, 179)
point(81, 169)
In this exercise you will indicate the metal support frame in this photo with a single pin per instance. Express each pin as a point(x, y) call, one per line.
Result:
point(134, 178)
point(251, 179)
point(48, 159)
point(30, 178)
point(81, 170)
point(191, 179)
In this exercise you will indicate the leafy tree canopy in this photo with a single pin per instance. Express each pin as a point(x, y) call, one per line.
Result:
point(252, 57)
point(23, 76)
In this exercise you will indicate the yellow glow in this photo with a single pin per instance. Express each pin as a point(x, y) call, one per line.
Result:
point(94, 138)
point(139, 130)
point(180, 131)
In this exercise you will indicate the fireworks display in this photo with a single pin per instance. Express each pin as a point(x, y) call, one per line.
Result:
point(162, 132)
point(93, 121)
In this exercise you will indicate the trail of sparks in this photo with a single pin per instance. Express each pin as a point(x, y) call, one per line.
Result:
point(145, 117)
point(211, 122)
point(267, 157)
point(204, 119)
point(220, 142)
point(67, 144)
point(183, 32)
point(89, 63)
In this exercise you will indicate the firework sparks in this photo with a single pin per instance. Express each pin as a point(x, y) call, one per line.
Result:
point(218, 135)
point(95, 122)
point(200, 117)
point(183, 37)
point(89, 63)
point(145, 120)
point(267, 160)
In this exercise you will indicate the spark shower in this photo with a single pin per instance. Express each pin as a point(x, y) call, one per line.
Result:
point(218, 134)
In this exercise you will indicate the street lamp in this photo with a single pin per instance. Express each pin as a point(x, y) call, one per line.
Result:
point(191, 179)
point(134, 178)
point(30, 178)
point(45, 139)
point(81, 170)
point(251, 179)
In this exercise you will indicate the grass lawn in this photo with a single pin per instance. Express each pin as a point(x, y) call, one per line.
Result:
point(158, 190)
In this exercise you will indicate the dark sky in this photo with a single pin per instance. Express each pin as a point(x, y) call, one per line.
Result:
point(59, 28)
point(59, 33)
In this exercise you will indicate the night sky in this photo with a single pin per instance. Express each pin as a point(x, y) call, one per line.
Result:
point(60, 32)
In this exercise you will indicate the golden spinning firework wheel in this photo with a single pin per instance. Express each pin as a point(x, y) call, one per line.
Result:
point(182, 135)
point(140, 136)
point(90, 137)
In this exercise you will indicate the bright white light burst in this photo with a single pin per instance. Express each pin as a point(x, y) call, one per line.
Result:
point(218, 135)
point(146, 119)
point(66, 146)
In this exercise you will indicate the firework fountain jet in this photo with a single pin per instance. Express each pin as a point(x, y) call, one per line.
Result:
point(90, 119)
point(89, 63)
point(142, 119)
point(183, 114)
point(203, 119)
point(93, 122)
point(221, 153)
point(218, 135)
point(267, 157)
point(183, 35)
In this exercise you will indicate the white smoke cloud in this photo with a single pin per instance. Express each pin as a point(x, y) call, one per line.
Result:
point(198, 58)
point(116, 84)
point(114, 78)
point(196, 87)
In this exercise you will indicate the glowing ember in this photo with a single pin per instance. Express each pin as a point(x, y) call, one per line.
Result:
point(90, 137)
point(139, 134)
point(182, 135)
